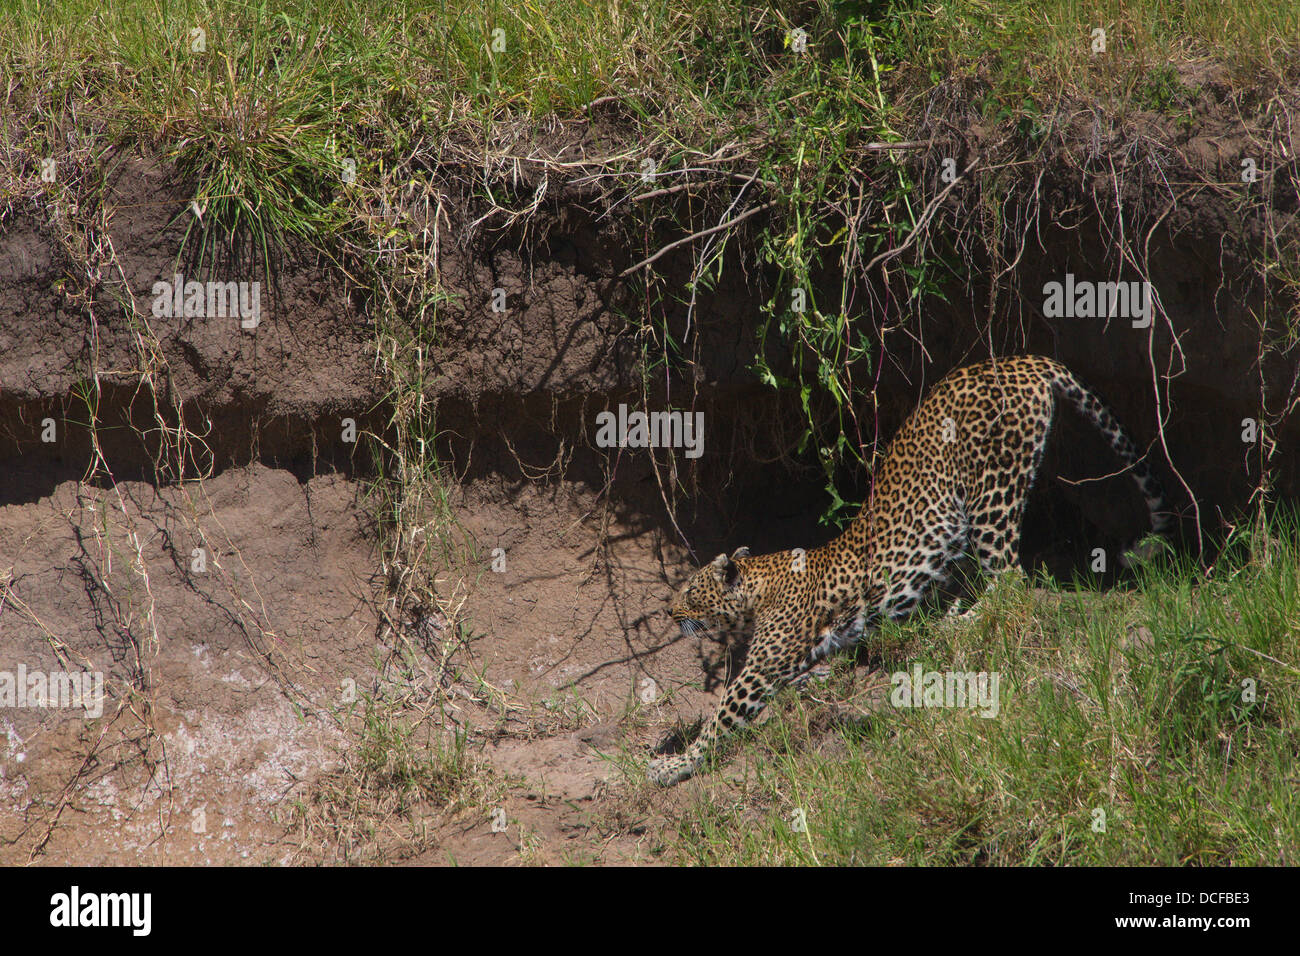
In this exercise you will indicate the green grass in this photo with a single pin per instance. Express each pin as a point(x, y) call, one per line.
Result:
point(284, 92)
point(1128, 708)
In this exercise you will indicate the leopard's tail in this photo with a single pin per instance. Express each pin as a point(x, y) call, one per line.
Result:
point(1098, 412)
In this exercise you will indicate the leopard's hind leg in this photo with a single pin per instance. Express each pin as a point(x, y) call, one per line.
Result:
point(944, 535)
point(997, 515)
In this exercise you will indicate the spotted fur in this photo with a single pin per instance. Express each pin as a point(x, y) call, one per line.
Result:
point(953, 483)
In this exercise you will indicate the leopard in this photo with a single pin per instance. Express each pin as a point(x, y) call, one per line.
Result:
point(952, 486)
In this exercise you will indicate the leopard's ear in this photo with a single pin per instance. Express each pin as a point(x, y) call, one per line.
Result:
point(719, 566)
point(740, 553)
point(725, 570)
point(731, 575)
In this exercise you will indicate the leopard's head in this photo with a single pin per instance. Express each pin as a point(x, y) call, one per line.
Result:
point(717, 595)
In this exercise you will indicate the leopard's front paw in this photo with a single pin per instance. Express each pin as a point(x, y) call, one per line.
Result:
point(666, 771)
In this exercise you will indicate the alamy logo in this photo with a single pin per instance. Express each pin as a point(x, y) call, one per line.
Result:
point(946, 689)
point(208, 300)
point(25, 688)
point(103, 909)
point(1084, 299)
point(651, 430)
